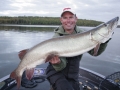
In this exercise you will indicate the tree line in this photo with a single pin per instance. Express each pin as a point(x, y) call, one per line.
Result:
point(36, 20)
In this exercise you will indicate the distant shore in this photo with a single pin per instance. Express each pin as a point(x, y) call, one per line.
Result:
point(33, 20)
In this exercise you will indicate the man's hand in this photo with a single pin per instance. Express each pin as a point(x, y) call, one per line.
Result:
point(55, 60)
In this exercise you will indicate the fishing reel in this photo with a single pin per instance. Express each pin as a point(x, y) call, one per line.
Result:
point(113, 80)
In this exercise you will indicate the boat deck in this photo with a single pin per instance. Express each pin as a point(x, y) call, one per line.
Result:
point(88, 80)
point(44, 85)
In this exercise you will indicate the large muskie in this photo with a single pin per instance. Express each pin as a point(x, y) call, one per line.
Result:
point(66, 46)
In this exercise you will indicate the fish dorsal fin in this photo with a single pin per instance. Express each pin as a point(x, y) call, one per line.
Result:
point(22, 53)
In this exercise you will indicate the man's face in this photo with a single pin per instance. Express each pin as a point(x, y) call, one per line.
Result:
point(68, 21)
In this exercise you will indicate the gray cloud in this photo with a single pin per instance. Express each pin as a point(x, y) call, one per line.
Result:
point(5, 5)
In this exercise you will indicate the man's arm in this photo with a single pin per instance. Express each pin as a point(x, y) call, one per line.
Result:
point(58, 63)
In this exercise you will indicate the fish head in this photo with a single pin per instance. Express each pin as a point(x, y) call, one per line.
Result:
point(112, 24)
point(104, 31)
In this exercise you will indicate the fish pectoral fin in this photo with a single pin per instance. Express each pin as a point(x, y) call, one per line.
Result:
point(29, 73)
point(18, 79)
point(96, 49)
point(49, 57)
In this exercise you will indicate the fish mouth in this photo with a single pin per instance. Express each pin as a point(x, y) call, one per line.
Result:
point(115, 23)
point(117, 18)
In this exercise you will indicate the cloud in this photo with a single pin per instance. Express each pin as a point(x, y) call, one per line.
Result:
point(86, 9)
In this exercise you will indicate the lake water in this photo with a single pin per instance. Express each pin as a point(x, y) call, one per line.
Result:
point(15, 38)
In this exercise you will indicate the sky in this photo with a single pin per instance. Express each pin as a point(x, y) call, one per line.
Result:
point(99, 10)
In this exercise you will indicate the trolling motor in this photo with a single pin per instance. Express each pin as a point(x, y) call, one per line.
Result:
point(90, 80)
point(113, 80)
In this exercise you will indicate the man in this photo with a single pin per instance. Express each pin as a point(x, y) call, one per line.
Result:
point(62, 73)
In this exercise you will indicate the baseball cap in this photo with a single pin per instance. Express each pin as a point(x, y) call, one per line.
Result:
point(68, 10)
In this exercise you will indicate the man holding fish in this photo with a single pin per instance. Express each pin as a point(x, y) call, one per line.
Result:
point(62, 72)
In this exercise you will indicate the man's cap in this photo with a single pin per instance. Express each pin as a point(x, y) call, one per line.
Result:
point(68, 10)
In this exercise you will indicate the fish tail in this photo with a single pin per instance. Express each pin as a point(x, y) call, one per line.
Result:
point(17, 78)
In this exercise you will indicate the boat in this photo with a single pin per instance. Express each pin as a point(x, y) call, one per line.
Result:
point(88, 80)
